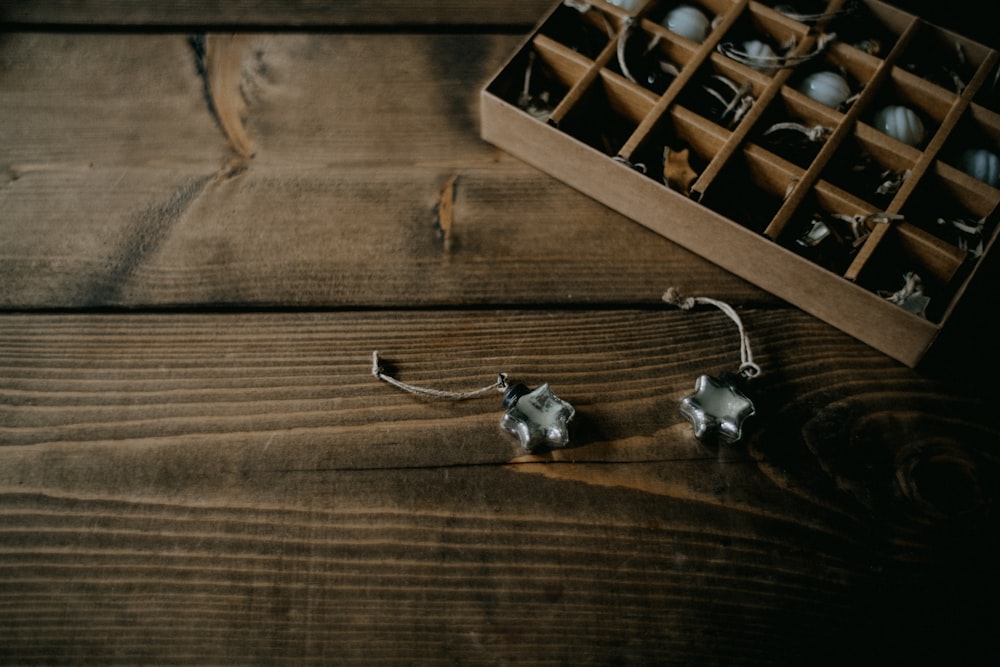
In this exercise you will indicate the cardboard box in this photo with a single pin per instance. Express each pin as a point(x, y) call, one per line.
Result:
point(871, 218)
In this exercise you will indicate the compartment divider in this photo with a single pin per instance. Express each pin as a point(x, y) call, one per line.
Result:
point(927, 158)
point(986, 118)
point(704, 136)
point(942, 261)
point(680, 82)
point(811, 175)
point(568, 64)
point(980, 198)
point(977, 268)
point(634, 100)
point(831, 198)
point(885, 149)
point(738, 136)
point(776, 172)
point(583, 84)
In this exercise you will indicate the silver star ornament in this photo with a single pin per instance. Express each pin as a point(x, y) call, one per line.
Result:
point(537, 418)
point(717, 409)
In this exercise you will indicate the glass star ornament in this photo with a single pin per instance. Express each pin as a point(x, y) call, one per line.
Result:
point(717, 409)
point(537, 418)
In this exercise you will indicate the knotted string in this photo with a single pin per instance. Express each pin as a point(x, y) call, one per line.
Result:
point(812, 19)
point(537, 106)
point(815, 133)
point(740, 56)
point(748, 368)
point(620, 50)
point(912, 286)
point(858, 222)
point(378, 372)
point(740, 103)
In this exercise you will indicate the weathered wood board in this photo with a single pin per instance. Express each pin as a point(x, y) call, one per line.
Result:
point(212, 213)
point(326, 190)
point(234, 488)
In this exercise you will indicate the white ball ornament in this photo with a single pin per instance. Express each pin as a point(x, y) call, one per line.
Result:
point(761, 55)
point(827, 88)
point(689, 22)
point(982, 164)
point(901, 123)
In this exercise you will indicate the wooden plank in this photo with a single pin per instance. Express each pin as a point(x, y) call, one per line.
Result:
point(238, 489)
point(89, 100)
point(515, 14)
point(233, 488)
point(132, 194)
point(285, 382)
point(310, 99)
point(328, 237)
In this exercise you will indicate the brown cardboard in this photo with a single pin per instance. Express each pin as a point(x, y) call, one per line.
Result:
point(604, 133)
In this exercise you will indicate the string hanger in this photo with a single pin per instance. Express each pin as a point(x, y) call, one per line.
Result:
point(748, 369)
point(536, 417)
point(718, 407)
point(775, 62)
point(500, 385)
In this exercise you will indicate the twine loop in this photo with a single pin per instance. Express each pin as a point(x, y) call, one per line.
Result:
point(620, 48)
point(500, 385)
point(812, 19)
point(816, 133)
point(638, 166)
point(729, 50)
point(748, 369)
point(912, 286)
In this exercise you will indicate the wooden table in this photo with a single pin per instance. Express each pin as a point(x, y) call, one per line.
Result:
point(211, 215)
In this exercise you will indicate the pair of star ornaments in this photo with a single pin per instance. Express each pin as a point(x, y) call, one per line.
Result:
point(717, 409)
point(540, 420)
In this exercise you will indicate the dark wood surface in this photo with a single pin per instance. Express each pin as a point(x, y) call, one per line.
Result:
point(209, 219)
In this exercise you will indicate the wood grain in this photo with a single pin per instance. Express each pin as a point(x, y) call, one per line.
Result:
point(519, 14)
point(299, 379)
point(312, 100)
point(514, 15)
point(205, 230)
point(166, 238)
point(224, 488)
point(152, 200)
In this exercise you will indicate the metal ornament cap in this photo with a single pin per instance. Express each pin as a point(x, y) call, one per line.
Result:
point(717, 409)
point(537, 418)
